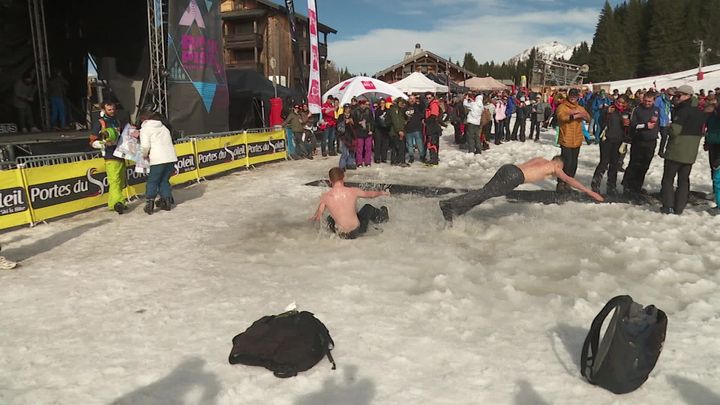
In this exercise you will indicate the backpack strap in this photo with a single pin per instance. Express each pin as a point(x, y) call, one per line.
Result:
point(593, 337)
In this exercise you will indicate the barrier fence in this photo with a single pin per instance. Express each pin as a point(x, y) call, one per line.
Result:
point(45, 187)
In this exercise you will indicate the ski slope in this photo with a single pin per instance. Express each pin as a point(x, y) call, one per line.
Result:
point(138, 309)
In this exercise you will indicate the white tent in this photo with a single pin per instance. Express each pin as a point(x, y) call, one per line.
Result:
point(362, 86)
point(483, 84)
point(419, 83)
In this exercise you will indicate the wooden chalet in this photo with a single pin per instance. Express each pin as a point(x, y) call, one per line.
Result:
point(424, 62)
point(258, 31)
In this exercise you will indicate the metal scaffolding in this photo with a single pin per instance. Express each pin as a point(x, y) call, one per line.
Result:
point(155, 95)
point(36, 10)
point(549, 72)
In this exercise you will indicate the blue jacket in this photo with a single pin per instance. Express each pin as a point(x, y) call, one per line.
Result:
point(600, 103)
point(510, 108)
point(664, 105)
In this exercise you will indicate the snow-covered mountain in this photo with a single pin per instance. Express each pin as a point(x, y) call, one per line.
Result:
point(555, 49)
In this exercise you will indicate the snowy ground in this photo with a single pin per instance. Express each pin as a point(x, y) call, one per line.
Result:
point(493, 310)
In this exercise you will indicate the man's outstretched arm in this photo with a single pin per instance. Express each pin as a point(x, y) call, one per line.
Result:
point(318, 212)
point(371, 194)
point(577, 185)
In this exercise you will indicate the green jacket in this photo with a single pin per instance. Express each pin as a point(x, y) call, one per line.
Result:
point(397, 120)
point(687, 126)
point(295, 122)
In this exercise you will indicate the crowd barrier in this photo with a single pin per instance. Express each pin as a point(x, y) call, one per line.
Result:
point(41, 188)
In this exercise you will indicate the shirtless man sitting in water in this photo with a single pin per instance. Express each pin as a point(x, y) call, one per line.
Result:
point(341, 202)
point(506, 179)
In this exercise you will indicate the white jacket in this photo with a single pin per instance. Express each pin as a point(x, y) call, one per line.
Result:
point(156, 143)
point(476, 109)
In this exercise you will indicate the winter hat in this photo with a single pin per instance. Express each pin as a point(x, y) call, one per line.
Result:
point(574, 93)
point(685, 89)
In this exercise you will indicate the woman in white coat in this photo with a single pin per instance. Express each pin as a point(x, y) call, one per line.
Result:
point(157, 147)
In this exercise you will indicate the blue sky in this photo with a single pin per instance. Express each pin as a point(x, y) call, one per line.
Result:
point(374, 34)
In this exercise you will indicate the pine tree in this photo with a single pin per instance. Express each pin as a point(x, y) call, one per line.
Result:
point(470, 63)
point(667, 37)
point(634, 31)
point(601, 52)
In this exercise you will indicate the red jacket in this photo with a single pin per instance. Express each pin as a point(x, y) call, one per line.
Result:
point(433, 109)
point(328, 114)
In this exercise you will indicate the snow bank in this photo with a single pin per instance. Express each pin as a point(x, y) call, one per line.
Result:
point(139, 309)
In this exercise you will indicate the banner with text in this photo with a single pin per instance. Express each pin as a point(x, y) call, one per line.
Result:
point(266, 147)
point(217, 155)
point(66, 188)
point(197, 88)
point(14, 205)
point(314, 103)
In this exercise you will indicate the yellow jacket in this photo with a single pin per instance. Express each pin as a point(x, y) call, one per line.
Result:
point(571, 135)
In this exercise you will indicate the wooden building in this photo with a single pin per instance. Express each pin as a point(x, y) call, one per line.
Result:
point(257, 32)
point(420, 60)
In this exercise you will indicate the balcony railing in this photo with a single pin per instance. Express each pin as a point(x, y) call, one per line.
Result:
point(243, 41)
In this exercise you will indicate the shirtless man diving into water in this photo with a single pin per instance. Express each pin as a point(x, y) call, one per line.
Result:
point(341, 202)
point(506, 179)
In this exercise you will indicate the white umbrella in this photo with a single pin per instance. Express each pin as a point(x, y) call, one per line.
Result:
point(362, 86)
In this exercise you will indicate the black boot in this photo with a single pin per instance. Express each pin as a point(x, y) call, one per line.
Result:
point(149, 207)
point(383, 215)
point(119, 208)
point(165, 204)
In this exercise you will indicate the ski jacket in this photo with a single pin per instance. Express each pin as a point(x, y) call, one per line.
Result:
point(475, 110)
point(571, 135)
point(156, 143)
point(510, 108)
point(500, 110)
point(328, 114)
point(295, 122)
point(687, 128)
point(615, 130)
point(664, 106)
point(639, 120)
point(359, 115)
point(96, 138)
point(397, 120)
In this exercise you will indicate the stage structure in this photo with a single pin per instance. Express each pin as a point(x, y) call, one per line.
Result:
point(549, 72)
point(36, 11)
point(175, 67)
point(155, 92)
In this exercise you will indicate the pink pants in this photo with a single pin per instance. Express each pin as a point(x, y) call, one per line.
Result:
point(363, 151)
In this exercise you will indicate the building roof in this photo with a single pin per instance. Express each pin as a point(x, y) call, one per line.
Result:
point(423, 54)
point(321, 27)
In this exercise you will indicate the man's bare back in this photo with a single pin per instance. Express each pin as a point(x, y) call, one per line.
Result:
point(341, 202)
point(537, 169)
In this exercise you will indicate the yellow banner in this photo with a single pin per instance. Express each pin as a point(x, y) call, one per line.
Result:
point(135, 181)
point(14, 206)
point(186, 166)
point(266, 147)
point(66, 188)
point(222, 154)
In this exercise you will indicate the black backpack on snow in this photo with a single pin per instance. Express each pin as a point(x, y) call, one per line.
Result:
point(285, 344)
point(630, 347)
